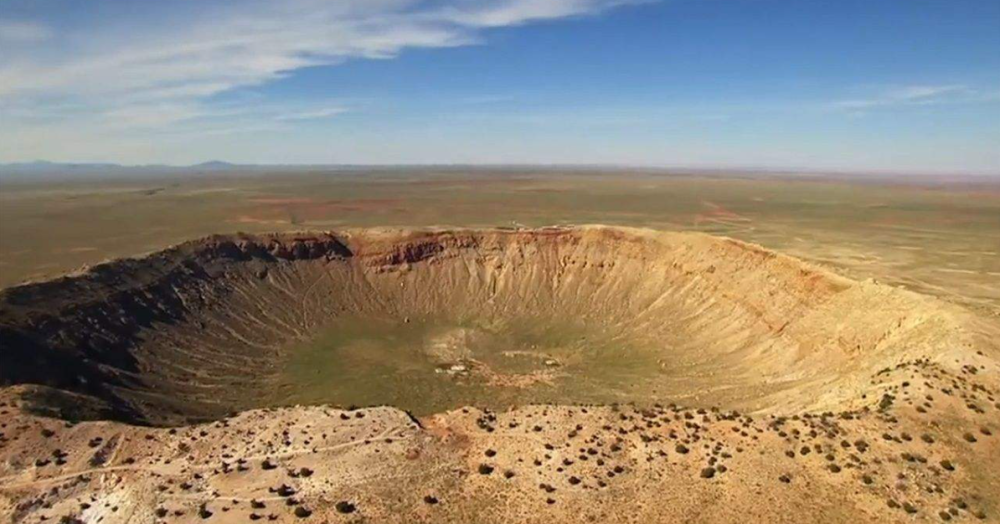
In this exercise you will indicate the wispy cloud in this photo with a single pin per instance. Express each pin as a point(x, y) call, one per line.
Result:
point(216, 46)
point(315, 114)
point(910, 96)
point(167, 66)
point(926, 93)
point(516, 12)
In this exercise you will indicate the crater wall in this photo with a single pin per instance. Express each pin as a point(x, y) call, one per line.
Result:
point(201, 329)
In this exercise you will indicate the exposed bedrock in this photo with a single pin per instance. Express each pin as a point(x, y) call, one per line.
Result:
point(201, 329)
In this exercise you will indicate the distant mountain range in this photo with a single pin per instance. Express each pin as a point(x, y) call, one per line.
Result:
point(43, 170)
point(42, 166)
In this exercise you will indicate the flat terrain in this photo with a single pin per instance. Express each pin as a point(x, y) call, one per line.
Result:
point(922, 234)
point(431, 365)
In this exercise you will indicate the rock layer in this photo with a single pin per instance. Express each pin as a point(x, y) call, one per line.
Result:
point(199, 330)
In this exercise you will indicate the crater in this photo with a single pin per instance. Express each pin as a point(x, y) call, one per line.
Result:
point(432, 320)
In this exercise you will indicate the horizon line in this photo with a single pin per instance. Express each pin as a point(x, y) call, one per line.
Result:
point(222, 165)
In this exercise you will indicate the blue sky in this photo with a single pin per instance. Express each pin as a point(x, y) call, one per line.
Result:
point(887, 85)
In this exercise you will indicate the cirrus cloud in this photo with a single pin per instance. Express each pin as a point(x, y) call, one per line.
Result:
point(212, 47)
point(161, 67)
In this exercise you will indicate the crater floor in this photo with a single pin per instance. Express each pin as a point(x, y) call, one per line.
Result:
point(611, 375)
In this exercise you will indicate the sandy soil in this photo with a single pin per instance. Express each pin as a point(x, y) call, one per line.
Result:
point(925, 449)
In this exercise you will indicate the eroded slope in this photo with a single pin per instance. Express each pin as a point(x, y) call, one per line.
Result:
point(203, 329)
